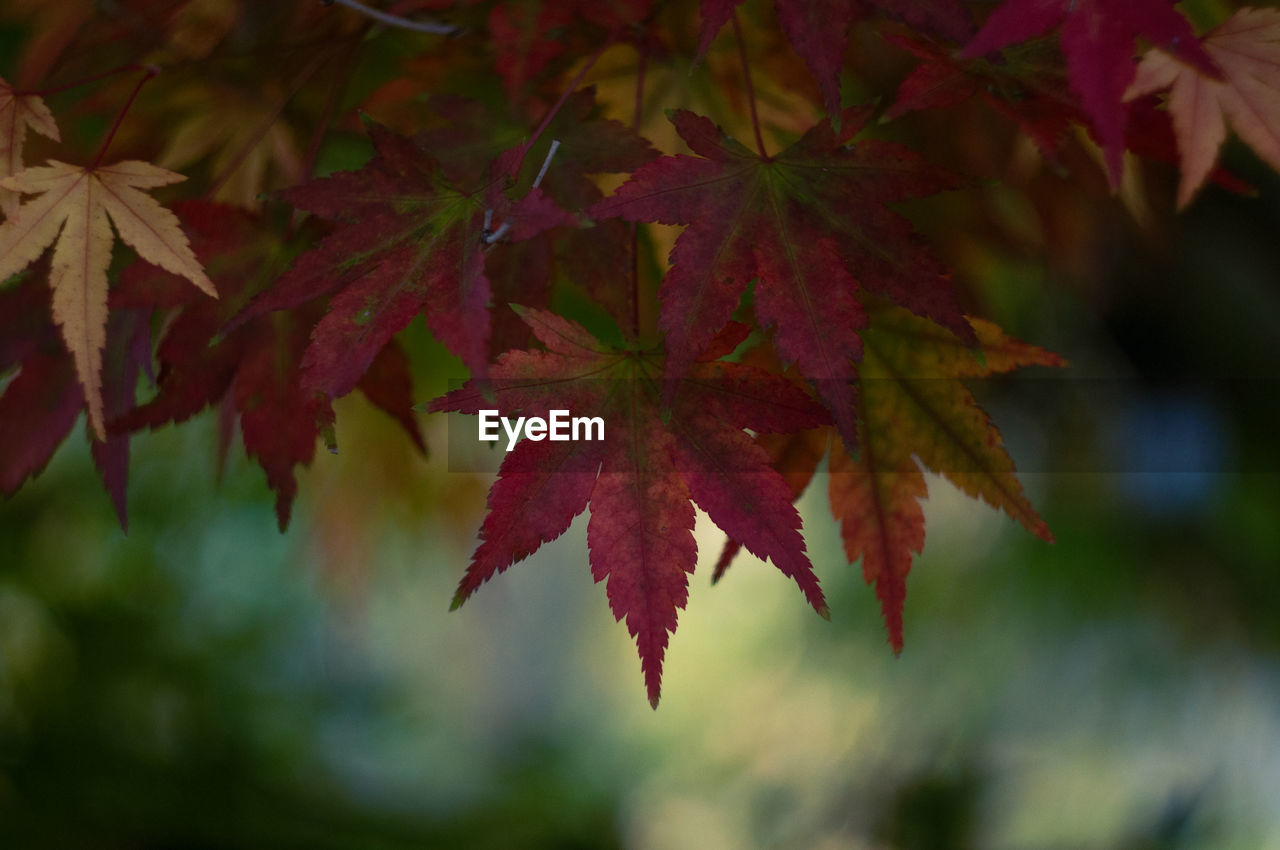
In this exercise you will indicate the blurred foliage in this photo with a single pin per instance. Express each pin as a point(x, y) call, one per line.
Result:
point(175, 688)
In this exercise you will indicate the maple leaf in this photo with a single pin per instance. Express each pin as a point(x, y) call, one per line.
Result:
point(128, 351)
point(18, 113)
point(913, 411)
point(40, 405)
point(529, 35)
point(1152, 136)
point(811, 224)
point(409, 243)
point(640, 478)
point(1247, 49)
point(795, 457)
point(242, 149)
point(255, 369)
point(521, 34)
point(73, 207)
point(1097, 38)
point(472, 136)
point(947, 18)
point(942, 80)
point(914, 407)
point(819, 31)
point(388, 385)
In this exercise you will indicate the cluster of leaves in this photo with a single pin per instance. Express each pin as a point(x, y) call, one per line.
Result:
point(798, 315)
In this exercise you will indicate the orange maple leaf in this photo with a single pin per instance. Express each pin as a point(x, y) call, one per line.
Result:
point(916, 412)
point(1247, 49)
point(73, 207)
point(18, 112)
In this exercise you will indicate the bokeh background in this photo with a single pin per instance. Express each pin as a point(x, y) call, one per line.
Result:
point(206, 682)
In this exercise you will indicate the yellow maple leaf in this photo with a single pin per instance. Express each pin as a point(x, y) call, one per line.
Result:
point(1247, 49)
point(73, 206)
point(242, 150)
point(18, 112)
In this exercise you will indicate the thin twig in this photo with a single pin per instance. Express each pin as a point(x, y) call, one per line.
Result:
point(751, 92)
point(393, 21)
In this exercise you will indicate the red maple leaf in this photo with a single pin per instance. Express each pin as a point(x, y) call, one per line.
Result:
point(1032, 94)
point(467, 137)
point(408, 242)
point(819, 29)
point(640, 478)
point(1097, 38)
point(523, 39)
point(811, 224)
point(528, 35)
point(1040, 106)
point(795, 457)
point(40, 405)
point(127, 353)
point(255, 369)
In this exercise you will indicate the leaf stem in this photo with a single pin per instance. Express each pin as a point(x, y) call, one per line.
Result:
point(635, 227)
point(149, 71)
point(751, 91)
point(123, 69)
point(394, 21)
